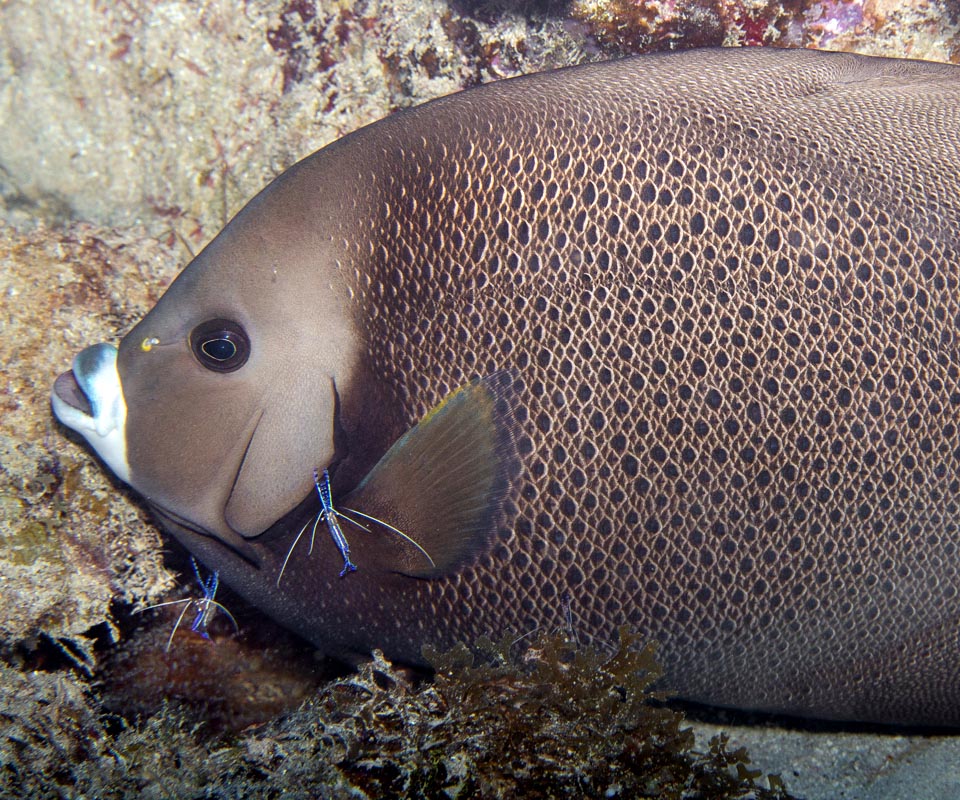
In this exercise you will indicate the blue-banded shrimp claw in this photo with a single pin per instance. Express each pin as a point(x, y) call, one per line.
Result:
point(331, 516)
point(204, 606)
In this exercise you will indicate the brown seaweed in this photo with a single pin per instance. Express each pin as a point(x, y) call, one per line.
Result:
point(554, 720)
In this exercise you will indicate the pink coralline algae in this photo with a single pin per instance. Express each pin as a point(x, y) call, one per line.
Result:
point(831, 19)
point(638, 26)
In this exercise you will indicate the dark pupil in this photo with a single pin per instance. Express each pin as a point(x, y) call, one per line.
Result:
point(219, 349)
point(220, 345)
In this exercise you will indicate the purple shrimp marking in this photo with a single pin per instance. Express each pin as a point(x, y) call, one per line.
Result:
point(331, 516)
point(205, 606)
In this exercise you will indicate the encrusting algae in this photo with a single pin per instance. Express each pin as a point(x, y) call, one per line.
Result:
point(70, 543)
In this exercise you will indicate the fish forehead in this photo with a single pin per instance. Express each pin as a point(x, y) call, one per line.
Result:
point(727, 283)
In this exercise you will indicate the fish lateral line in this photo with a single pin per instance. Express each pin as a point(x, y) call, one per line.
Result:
point(206, 606)
point(332, 516)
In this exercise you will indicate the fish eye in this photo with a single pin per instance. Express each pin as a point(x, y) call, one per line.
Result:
point(220, 345)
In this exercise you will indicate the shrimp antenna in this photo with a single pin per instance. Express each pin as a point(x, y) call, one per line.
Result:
point(331, 516)
point(206, 606)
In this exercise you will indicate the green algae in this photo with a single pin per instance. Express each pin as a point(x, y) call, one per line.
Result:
point(24, 540)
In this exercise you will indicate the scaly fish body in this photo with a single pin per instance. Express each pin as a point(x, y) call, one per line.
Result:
point(719, 289)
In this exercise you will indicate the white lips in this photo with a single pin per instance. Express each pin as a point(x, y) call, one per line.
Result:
point(95, 371)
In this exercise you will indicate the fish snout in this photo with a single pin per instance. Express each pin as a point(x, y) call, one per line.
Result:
point(89, 399)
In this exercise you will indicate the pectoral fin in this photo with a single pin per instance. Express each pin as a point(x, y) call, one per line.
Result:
point(442, 484)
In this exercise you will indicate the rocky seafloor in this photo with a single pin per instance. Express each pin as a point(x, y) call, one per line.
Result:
point(129, 133)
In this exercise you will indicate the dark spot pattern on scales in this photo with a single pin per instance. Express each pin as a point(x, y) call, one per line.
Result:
point(735, 316)
point(687, 322)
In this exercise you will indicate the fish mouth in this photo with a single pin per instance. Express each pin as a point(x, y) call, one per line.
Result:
point(67, 390)
point(89, 400)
